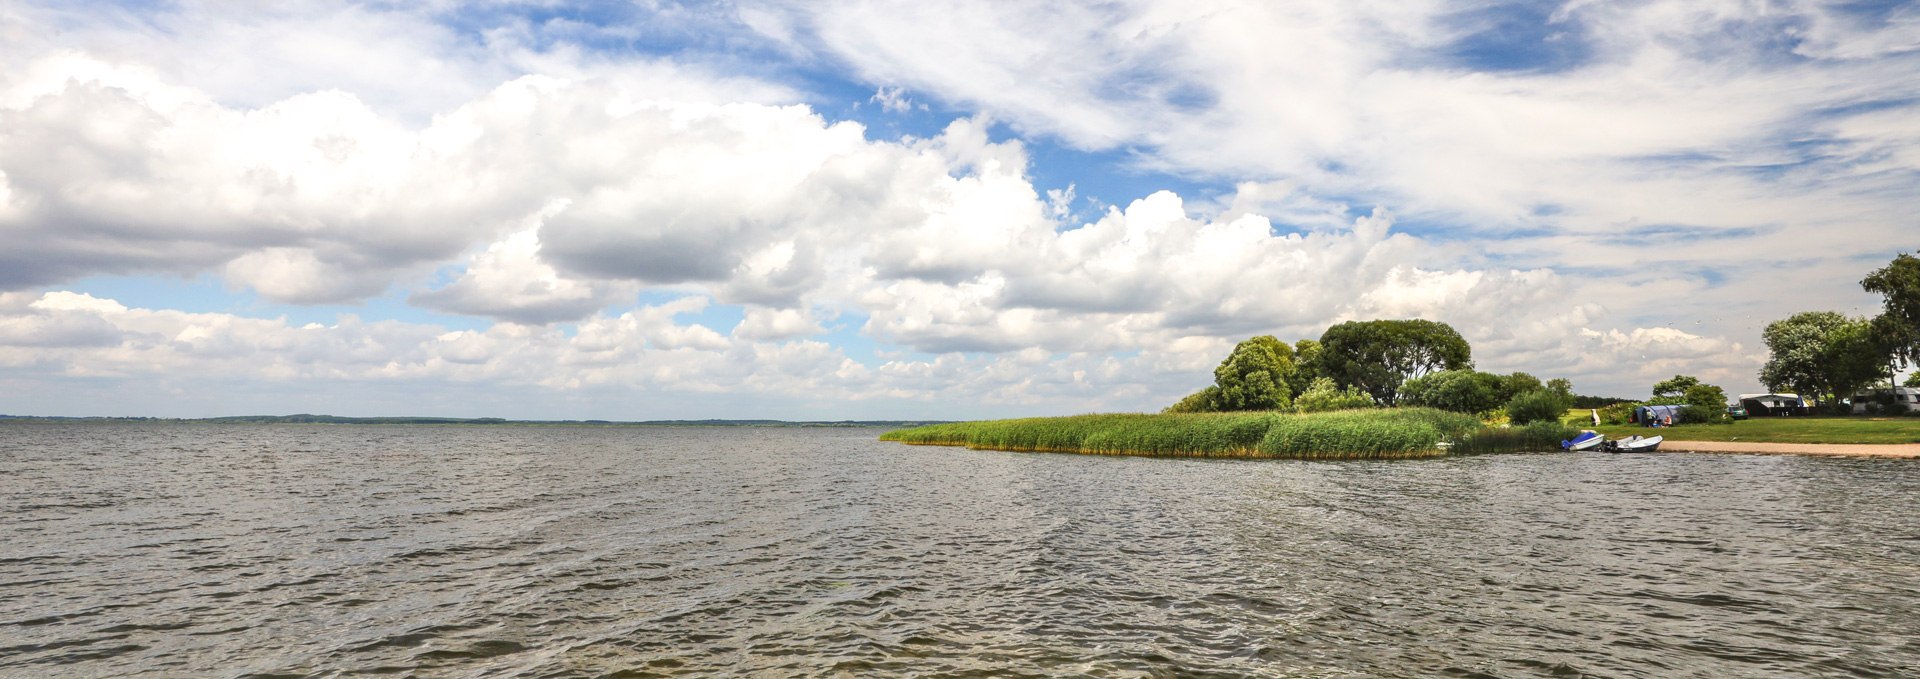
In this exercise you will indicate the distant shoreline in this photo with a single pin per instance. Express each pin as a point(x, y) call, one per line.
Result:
point(459, 421)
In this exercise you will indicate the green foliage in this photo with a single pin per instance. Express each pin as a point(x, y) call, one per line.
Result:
point(1460, 391)
point(1674, 387)
point(1912, 380)
point(1378, 356)
point(1306, 359)
point(1898, 326)
point(1515, 385)
point(1538, 406)
point(1580, 401)
point(1202, 401)
point(1389, 433)
point(1707, 396)
point(1530, 438)
point(1618, 413)
point(1823, 355)
point(1258, 375)
point(1396, 433)
point(1694, 414)
point(1323, 395)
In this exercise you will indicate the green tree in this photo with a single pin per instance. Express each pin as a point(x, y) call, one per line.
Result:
point(1913, 380)
point(1460, 391)
point(1676, 387)
point(1823, 355)
point(1562, 386)
point(1323, 395)
point(1378, 356)
point(1516, 384)
point(1306, 359)
point(1258, 375)
point(1541, 405)
point(1705, 403)
point(1202, 401)
point(1898, 326)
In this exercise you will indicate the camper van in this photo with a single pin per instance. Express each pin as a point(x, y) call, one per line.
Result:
point(1773, 405)
point(1905, 400)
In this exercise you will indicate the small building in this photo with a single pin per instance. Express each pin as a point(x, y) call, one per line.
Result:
point(1898, 400)
point(1765, 405)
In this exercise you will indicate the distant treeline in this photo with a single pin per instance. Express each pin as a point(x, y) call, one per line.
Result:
point(1580, 401)
point(476, 421)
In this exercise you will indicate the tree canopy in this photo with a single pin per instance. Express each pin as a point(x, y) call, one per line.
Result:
point(1676, 387)
point(1898, 326)
point(1258, 375)
point(1460, 391)
point(1378, 356)
point(1822, 354)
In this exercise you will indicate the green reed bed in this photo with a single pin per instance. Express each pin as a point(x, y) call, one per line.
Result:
point(1349, 434)
point(1531, 438)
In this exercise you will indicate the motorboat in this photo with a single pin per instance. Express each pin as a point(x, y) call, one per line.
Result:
point(1634, 444)
point(1588, 439)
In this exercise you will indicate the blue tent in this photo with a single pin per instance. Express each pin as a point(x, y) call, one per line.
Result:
point(1651, 415)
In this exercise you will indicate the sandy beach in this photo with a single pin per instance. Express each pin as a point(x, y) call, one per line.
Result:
point(1905, 450)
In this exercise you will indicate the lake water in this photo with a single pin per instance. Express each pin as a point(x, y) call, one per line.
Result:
point(322, 551)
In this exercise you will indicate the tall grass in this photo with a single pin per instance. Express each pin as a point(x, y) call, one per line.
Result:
point(1535, 437)
point(1345, 434)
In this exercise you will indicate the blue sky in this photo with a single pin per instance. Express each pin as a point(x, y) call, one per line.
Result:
point(916, 210)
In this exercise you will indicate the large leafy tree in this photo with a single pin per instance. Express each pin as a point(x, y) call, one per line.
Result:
point(1306, 358)
point(1676, 387)
point(1461, 391)
point(1515, 384)
point(1378, 356)
point(1823, 354)
point(1258, 375)
point(1898, 326)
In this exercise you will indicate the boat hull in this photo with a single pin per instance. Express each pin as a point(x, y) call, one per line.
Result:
point(1634, 444)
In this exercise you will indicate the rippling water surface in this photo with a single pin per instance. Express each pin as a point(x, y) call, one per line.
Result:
point(322, 551)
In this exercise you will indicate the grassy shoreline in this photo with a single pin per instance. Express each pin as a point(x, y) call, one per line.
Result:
point(1395, 433)
point(1821, 429)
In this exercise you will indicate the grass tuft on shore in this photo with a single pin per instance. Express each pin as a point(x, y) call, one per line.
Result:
point(1392, 433)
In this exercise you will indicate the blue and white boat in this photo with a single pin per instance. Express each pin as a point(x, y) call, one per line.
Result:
point(1587, 440)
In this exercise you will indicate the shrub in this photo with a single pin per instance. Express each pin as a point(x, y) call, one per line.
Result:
point(1538, 406)
point(1460, 391)
point(1618, 412)
point(1694, 414)
point(1536, 437)
point(1324, 396)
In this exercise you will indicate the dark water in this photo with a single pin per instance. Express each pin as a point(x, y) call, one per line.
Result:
point(323, 551)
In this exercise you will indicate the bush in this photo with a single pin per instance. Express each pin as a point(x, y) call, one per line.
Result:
point(1538, 406)
point(1324, 396)
point(1537, 437)
point(1694, 414)
point(1618, 413)
point(1460, 391)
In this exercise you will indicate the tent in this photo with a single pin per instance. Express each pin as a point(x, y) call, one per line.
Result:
point(1650, 415)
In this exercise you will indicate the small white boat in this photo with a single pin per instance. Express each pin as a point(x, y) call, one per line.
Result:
point(1634, 444)
point(1587, 440)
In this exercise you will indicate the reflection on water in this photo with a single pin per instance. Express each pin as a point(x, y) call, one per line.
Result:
point(295, 551)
